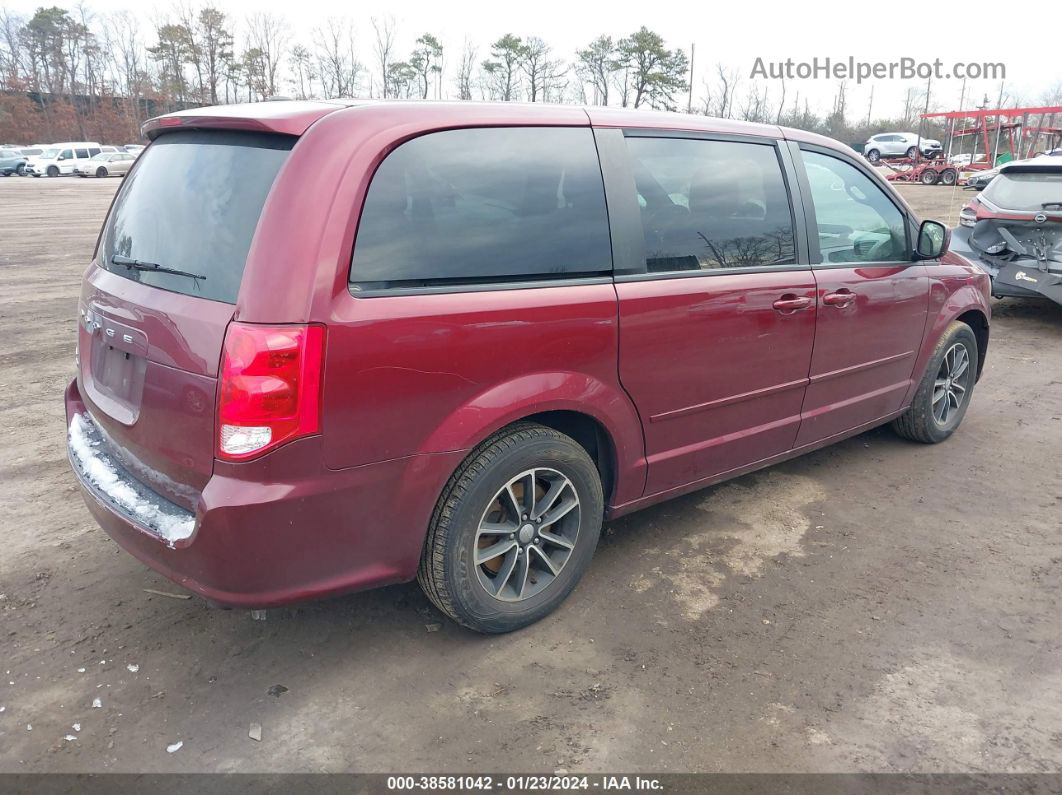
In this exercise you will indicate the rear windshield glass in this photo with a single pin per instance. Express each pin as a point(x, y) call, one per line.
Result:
point(192, 204)
point(1028, 191)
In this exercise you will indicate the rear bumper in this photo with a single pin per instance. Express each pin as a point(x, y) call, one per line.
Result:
point(284, 528)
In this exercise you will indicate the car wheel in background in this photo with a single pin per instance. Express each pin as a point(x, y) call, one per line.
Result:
point(929, 177)
point(53, 171)
point(101, 172)
point(873, 155)
point(944, 393)
point(514, 529)
point(912, 152)
point(949, 176)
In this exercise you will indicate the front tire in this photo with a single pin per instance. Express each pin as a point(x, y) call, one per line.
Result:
point(945, 390)
point(514, 530)
point(912, 152)
point(873, 155)
point(101, 172)
point(53, 171)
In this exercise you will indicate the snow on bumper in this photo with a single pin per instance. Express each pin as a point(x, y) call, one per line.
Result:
point(114, 486)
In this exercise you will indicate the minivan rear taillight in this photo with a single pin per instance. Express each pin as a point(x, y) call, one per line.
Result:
point(269, 390)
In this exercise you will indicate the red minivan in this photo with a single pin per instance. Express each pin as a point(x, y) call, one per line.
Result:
point(330, 346)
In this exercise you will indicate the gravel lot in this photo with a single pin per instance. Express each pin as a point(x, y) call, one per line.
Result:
point(878, 605)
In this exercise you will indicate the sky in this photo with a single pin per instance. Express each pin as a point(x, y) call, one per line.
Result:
point(731, 33)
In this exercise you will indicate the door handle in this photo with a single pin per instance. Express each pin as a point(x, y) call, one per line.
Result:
point(841, 298)
point(791, 303)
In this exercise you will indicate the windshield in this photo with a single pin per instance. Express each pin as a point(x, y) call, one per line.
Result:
point(192, 204)
point(102, 156)
point(1025, 192)
point(50, 154)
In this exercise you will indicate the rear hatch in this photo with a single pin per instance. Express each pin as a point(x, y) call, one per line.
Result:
point(156, 304)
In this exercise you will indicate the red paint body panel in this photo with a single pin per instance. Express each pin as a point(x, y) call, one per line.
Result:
point(689, 380)
point(437, 373)
point(717, 373)
point(283, 528)
point(164, 434)
point(865, 351)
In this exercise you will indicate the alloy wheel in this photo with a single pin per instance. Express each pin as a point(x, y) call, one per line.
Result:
point(952, 383)
point(527, 534)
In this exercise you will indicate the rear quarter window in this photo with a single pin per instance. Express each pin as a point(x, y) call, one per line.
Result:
point(192, 204)
point(478, 206)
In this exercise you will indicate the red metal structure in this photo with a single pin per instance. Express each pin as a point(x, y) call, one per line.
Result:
point(1021, 139)
point(928, 172)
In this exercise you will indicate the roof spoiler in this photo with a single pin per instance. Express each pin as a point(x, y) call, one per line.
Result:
point(289, 117)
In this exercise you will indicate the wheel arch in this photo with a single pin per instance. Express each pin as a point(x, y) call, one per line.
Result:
point(978, 323)
point(591, 434)
point(597, 415)
point(966, 303)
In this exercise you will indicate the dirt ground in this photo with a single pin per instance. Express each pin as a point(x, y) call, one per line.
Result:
point(879, 605)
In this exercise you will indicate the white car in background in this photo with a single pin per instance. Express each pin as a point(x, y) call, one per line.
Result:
point(106, 164)
point(63, 158)
point(899, 145)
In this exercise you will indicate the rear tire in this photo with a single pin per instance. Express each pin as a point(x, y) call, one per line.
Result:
point(945, 389)
point(540, 561)
point(949, 176)
point(929, 177)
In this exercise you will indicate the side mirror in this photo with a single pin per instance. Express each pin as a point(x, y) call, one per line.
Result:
point(61, 157)
point(933, 240)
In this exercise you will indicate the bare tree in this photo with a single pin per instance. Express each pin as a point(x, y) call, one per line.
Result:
point(268, 35)
point(465, 69)
point(339, 67)
point(755, 106)
point(11, 68)
point(384, 46)
point(719, 98)
point(128, 63)
point(302, 71)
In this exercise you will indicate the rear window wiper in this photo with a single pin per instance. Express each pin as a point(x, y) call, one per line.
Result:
point(140, 265)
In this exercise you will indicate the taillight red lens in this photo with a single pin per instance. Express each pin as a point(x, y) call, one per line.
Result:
point(269, 389)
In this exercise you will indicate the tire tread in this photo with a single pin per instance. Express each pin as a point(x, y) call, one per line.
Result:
point(431, 573)
point(915, 423)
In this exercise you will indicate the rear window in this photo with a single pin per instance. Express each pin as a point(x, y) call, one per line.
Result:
point(192, 204)
point(484, 206)
point(1026, 191)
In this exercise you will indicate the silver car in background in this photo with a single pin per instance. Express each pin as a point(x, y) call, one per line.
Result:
point(899, 145)
point(106, 164)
